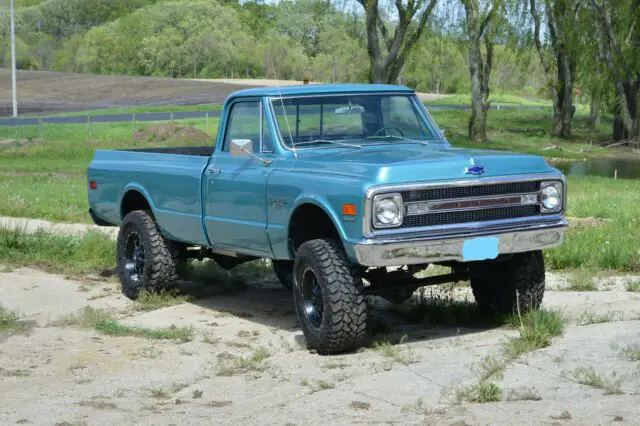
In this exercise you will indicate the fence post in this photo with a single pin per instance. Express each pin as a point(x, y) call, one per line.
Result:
point(171, 117)
point(89, 123)
point(133, 124)
point(206, 122)
point(41, 129)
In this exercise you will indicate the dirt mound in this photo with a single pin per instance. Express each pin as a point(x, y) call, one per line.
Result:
point(172, 133)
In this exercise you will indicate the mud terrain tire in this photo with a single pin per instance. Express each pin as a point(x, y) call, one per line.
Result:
point(155, 270)
point(328, 298)
point(495, 285)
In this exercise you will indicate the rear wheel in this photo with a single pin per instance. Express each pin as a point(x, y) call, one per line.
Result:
point(144, 257)
point(505, 287)
point(328, 298)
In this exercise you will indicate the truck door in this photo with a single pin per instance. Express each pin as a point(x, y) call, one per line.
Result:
point(235, 186)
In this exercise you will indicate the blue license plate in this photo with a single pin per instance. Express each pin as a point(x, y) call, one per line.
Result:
point(482, 248)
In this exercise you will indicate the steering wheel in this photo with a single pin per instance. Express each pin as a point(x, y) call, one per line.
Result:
point(385, 128)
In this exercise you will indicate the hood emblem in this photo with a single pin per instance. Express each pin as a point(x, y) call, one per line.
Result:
point(474, 170)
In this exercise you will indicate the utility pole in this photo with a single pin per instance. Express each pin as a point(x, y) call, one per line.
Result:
point(13, 60)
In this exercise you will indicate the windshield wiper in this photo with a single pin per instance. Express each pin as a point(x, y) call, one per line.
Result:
point(350, 145)
point(398, 138)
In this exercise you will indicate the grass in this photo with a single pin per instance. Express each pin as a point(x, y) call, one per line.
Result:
point(496, 98)
point(632, 285)
point(537, 329)
point(630, 352)
point(589, 377)
point(10, 322)
point(482, 392)
point(395, 352)
point(141, 109)
point(240, 365)
point(104, 323)
point(90, 253)
point(148, 301)
point(523, 394)
point(590, 317)
point(582, 280)
point(612, 245)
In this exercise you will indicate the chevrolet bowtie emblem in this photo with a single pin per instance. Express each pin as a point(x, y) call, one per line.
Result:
point(474, 170)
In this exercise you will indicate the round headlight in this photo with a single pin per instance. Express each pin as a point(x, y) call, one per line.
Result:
point(550, 197)
point(387, 211)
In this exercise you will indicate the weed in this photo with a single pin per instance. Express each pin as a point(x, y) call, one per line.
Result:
point(395, 352)
point(14, 373)
point(582, 280)
point(630, 352)
point(158, 392)
point(209, 337)
point(590, 317)
point(491, 367)
point(10, 322)
point(230, 366)
point(148, 301)
point(481, 392)
point(219, 404)
point(417, 407)
point(360, 405)
point(537, 328)
point(98, 405)
point(589, 377)
point(103, 322)
point(632, 285)
point(322, 385)
point(304, 381)
point(523, 394)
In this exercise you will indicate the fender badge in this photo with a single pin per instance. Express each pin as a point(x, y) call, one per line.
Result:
point(474, 170)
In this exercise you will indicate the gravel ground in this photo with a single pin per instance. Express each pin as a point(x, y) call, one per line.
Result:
point(246, 362)
point(56, 374)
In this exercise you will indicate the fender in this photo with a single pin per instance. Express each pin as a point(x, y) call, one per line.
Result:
point(135, 186)
point(322, 203)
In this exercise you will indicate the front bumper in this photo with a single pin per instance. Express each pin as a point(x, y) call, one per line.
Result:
point(410, 250)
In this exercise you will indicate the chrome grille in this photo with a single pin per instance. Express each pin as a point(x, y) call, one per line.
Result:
point(470, 191)
point(449, 218)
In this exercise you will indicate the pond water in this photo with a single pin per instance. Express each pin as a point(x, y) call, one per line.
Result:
point(628, 168)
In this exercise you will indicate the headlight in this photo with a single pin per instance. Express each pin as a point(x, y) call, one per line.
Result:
point(551, 196)
point(387, 210)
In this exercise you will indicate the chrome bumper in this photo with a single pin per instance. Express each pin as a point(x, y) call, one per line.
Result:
point(438, 248)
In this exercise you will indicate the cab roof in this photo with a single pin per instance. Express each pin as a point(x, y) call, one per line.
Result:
point(319, 89)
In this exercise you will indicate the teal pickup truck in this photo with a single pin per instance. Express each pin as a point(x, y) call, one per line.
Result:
point(350, 190)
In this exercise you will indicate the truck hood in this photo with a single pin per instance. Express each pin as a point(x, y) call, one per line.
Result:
point(403, 163)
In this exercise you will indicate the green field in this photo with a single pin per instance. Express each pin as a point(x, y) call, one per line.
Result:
point(46, 179)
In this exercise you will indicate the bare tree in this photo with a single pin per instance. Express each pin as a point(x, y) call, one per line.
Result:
point(387, 53)
point(561, 17)
point(480, 62)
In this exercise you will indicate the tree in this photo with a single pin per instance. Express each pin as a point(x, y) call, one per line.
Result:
point(619, 41)
point(563, 30)
point(388, 53)
point(480, 62)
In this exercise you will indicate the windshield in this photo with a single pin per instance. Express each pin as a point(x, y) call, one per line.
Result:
point(350, 119)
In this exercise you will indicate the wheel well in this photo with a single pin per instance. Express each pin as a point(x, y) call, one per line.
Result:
point(309, 222)
point(133, 200)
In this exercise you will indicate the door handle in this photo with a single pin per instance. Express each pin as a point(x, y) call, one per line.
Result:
point(214, 171)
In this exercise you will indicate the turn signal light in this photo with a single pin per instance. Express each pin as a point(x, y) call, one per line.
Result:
point(349, 209)
point(93, 184)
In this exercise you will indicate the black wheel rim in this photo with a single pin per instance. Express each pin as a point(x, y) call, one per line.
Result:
point(134, 257)
point(312, 303)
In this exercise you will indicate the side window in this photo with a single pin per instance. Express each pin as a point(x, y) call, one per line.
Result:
point(398, 112)
point(267, 141)
point(244, 123)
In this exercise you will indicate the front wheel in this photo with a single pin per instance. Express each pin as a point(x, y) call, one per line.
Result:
point(506, 287)
point(144, 257)
point(328, 298)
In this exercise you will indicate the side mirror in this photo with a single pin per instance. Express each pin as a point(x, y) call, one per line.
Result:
point(241, 147)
